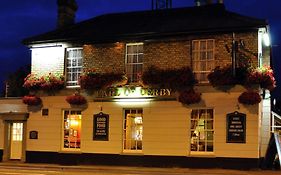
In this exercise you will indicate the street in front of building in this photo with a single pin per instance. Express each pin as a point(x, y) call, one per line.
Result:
point(38, 169)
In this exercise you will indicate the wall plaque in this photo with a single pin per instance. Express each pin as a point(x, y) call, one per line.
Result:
point(33, 135)
point(101, 124)
point(236, 127)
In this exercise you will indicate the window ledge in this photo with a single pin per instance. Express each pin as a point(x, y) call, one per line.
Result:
point(132, 152)
point(202, 154)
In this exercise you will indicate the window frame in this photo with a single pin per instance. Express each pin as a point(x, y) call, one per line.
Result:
point(130, 75)
point(124, 129)
point(196, 57)
point(191, 131)
point(75, 82)
point(77, 112)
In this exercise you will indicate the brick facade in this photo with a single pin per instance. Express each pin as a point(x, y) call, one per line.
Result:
point(168, 53)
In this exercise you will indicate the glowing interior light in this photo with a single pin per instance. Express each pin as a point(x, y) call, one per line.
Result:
point(266, 39)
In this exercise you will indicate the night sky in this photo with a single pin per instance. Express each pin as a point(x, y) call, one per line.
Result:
point(20, 19)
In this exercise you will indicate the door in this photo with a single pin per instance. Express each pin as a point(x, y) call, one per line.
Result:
point(16, 131)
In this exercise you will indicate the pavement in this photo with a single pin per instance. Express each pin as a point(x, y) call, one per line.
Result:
point(145, 170)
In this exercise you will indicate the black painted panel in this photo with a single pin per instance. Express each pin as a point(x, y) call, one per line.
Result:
point(140, 160)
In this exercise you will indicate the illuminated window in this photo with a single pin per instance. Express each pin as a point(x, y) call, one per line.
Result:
point(133, 129)
point(72, 129)
point(74, 65)
point(17, 131)
point(134, 61)
point(203, 60)
point(202, 130)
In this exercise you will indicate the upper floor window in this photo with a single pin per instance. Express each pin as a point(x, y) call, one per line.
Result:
point(203, 60)
point(73, 66)
point(134, 61)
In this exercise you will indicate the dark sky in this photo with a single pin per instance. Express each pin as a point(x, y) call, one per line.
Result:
point(23, 18)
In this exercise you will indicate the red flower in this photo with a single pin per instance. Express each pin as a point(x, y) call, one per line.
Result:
point(32, 100)
point(264, 77)
point(189, 97)
point(76, 99)
point(249, 98)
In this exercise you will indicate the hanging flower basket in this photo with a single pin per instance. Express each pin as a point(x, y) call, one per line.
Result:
point(76, 99)
point(221, 77)
point(262, 76)
point(249, 98)
point(189, 97)
point(32, 100)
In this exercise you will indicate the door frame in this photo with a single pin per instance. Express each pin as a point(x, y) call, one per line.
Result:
point(8, 119)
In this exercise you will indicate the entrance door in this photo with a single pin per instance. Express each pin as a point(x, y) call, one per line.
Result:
point(16, 140)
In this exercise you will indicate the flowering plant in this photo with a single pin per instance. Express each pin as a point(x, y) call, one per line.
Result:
point(176, 79)
point(90, 79)
point(189, 97)
point(249, 98)
point(32, 100)
point(263, 76)
point(32, 82)
point(48, 82)
point(221, 76)
point(76, 99)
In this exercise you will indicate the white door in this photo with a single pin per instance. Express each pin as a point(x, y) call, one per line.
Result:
point(16, 140)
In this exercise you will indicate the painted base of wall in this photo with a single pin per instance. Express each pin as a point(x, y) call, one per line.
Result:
point(1, 155)
point(141, 160)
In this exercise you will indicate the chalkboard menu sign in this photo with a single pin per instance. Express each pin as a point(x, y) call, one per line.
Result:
point(236, 128)
point(101, 121)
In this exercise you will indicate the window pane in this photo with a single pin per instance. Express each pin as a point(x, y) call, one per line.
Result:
point(74, 66)
point(203, 50)
point(72, 129)
point(202, 133)
point(133, 130)
point(134, 61)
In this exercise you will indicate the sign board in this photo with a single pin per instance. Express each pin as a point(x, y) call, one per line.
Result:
point(236, 127)
point(101, 125)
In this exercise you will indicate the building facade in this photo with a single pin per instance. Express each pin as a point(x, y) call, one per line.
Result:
point(136, 123)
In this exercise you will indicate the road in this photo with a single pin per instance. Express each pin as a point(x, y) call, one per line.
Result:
point(92, 170)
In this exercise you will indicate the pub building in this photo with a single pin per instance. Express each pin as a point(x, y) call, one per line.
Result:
point(144, 88)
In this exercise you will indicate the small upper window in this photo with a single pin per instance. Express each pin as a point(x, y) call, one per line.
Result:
point(74, 65)
point(203, 61)
point(134, 61)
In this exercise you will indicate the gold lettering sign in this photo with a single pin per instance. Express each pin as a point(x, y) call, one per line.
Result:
point(127, 92)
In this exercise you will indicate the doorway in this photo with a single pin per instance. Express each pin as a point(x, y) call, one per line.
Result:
point(14, 136)
point(16, 140)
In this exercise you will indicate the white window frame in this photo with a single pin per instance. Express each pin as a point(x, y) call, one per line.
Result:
point(130, 66)
point(138, 130)
point(75, 73)
point(201, 64)
point(195, 140)
point(64, 138)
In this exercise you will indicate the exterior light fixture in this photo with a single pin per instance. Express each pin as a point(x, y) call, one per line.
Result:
point(266, 39)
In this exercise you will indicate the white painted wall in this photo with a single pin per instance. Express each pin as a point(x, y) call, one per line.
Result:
point(166, 126)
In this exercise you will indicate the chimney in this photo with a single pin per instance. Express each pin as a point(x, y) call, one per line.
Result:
point(220, 1)
point(66, 12)
point(209, 2)
point(197, 2)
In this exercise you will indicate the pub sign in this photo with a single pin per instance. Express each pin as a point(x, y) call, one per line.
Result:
point(101, 124)
point(236, 127)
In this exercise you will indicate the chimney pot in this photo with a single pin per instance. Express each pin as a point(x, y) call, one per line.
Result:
point(220, 1)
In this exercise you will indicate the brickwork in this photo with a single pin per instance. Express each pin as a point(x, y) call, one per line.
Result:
point(169, 53)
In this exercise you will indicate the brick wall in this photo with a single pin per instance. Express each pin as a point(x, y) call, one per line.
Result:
point(168, 53)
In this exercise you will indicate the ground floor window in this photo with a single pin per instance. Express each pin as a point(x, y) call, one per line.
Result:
point(132, 130)
point(72, 129)
point(202, 130)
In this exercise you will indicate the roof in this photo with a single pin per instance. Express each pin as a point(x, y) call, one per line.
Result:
point(151, 24)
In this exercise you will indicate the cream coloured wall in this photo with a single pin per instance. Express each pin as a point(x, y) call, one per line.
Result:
point(48, 127)
point(1, 135)
point(165, 126)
